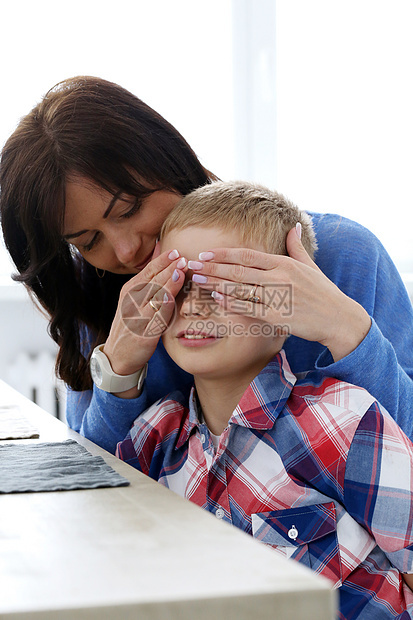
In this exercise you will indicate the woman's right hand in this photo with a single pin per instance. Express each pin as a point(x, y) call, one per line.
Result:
point(137, 326)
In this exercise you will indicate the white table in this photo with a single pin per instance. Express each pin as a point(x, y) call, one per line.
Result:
point(138, 552)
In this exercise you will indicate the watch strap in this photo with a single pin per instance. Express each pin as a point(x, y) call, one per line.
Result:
point(108, 380)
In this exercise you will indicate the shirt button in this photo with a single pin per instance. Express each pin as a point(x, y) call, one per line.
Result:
point(220, 513)
point(293, 532)
point(202, 438)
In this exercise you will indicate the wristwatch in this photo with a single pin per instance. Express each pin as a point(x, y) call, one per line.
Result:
point(107, 380)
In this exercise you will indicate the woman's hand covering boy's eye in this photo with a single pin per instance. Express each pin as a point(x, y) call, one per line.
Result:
point(293, 291)
point(146, 305)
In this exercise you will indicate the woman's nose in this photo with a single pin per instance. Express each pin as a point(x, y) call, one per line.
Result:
point(126, 247)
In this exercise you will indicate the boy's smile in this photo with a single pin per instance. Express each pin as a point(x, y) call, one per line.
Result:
point(196, 338)
point(204, 338)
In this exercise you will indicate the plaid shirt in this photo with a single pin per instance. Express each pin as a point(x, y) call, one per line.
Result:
point(313, 467)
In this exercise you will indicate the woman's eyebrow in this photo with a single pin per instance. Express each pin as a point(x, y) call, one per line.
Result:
point(112, 204)
point(105, 215)
point(76, 234)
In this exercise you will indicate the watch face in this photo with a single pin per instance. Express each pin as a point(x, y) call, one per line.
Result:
point(96, 371)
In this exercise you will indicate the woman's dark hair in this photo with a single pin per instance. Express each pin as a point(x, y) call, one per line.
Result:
point(90, 127)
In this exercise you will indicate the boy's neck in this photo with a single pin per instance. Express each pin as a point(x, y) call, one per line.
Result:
point(218, 399)
point(218, 396)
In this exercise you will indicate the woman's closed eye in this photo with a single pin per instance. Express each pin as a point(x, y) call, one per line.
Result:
point(87, 247)
point(133, 209)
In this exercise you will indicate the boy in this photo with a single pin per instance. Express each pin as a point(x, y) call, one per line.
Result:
point(312, 466)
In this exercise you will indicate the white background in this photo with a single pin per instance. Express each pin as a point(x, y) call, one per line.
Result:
point(345, 113)
point(313, 98)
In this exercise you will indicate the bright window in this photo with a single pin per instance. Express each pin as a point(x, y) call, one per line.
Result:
point(345, 113)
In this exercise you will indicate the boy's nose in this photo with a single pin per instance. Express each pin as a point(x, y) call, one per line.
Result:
point(196, 301)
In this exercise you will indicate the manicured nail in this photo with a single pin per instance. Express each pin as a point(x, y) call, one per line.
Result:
point(193, 264)
point(206, 256)
point(174, 254)
point(181, 263)
point(217, 296)
point(198, 278)
point(175, 275)
point(165, 298)
point(298, 229)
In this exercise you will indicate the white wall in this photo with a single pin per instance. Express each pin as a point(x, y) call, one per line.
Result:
point(344, 113)
point(22, 328)
point(27, 352)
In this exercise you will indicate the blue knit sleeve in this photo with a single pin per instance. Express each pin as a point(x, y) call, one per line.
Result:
point(356, 261)
point(102, 417)
point(374, 365)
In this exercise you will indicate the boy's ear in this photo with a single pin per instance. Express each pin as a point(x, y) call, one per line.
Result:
point(296, 249)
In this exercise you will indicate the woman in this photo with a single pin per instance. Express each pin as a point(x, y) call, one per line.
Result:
point(86, 181)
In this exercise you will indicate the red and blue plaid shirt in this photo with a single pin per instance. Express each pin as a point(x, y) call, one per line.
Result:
point(313, 467)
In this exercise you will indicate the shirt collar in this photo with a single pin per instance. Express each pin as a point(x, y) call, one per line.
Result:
point(261, 403)
point(266, 396)
point(191, 420)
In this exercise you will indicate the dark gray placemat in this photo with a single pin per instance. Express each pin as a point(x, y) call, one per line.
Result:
point(63, 466)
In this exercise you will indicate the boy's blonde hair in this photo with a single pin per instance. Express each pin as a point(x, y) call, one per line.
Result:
point(259, 215)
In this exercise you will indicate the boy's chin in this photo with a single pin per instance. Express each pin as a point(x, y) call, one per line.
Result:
point(201, 371)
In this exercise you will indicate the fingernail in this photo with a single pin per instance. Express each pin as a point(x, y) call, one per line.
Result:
point(193, 264)
point(181, 263)
point(165, 298)
point(175, 276)
point(198, 278)
point(206, 256)
point(174, 254)
point(217, 296)
point(298, 229)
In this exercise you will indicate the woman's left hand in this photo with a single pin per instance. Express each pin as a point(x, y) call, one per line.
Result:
point(285, 291)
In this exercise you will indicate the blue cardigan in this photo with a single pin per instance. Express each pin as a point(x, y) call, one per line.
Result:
point(354, 259)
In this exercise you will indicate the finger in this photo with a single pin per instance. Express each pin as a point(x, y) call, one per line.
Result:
point(146, 284)
point(161, 319)
point(275, 296)
point(267, 323)
point(140, 317)
point(296, 249)
point(136, 309)
point(233, 305)
point(159, 299)
point(178, 266)
point(235, 273)
point(154, 304)
point(240, 256)
point(239, 290)
point(160, 269)
point(157, 265)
